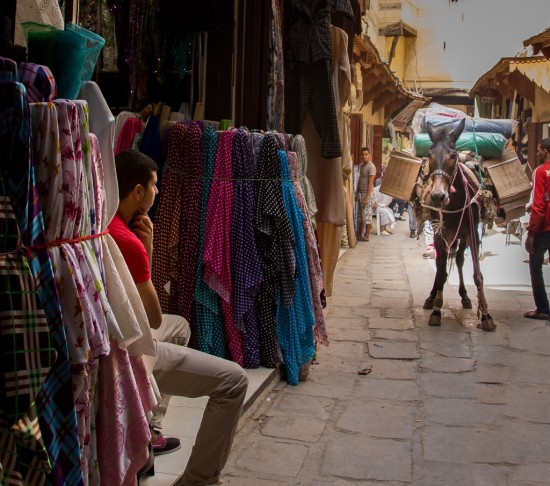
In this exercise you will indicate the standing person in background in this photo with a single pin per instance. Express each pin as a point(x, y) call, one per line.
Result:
point(538, 232)
point(413, 225)
point(364, 196)
point(179, 370)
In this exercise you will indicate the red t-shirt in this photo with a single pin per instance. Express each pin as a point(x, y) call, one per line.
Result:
point(132, 249)
point(540, 211)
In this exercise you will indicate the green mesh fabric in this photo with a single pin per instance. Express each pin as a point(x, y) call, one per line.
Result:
point(94, 44)
point(70, 54)
point(40, 42)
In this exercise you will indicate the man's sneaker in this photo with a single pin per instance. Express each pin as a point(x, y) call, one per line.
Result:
point(165, 445)
point(413, 234)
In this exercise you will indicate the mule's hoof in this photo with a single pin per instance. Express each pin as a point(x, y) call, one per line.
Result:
point(435, 318)
point(466, 303)
point(487, 323)
point(428, 304)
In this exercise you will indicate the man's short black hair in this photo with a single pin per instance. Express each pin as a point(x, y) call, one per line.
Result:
point(133, 168)
point(545, 144)
point(365, 148)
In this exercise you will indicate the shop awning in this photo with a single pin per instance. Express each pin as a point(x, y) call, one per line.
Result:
point(380, 85)
point(521, 74)
point(540, 43)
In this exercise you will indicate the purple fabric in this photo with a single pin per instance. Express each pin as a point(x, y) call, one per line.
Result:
point(247, 272)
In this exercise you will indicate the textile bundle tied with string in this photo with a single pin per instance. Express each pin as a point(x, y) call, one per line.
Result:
point(493, 170)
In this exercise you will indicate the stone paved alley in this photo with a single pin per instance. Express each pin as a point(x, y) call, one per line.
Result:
point(442, 406)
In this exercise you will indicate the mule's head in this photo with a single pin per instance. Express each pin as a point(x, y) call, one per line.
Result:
point(443, 159)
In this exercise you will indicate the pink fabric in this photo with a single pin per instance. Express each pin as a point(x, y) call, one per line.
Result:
point(122, 429)
point(217, 239)
point(125, 139)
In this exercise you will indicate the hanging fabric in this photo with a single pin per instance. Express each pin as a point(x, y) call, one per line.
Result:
point(217, 241)
point(210, 332)
point(55, 392)
point(246, 266)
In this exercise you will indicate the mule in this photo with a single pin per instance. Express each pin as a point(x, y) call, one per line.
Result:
point(455, 214)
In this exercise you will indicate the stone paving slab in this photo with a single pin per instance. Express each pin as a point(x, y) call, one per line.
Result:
point(393, 350)
point(441, 364)
point(393, 369)
point(447, 349)
point(437, 473)
point(378, 419)
point(517, 443)
point(327, 385)
point(296, 428)
point(460, 412)
point(272, 457)
point(345, 457)
point(390, 323)
point(391, 335)
point(314, 407)
point(397, 313)
point(402, 390)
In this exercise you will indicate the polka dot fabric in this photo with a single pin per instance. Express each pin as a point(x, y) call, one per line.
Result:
point(217, 241)
point(315, 273)
point(275, 244)
point(184, 298)
point(210, 330)
point(247, 273)
point(167, 220)
point(295, 321)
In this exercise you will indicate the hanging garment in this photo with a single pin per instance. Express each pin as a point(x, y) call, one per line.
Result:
point(102, 124)
point(295, 321)
point(308, 72)
point(183, 301)
point(210, 332)
point(275, 244)
point(246, 266)
point(126, 138)
point(217, 242)
point(57, 420)
point(299, 147)
point(313, 263)
point(168, 221)
point(27, 354)
point(44, 12)
point(276, 76)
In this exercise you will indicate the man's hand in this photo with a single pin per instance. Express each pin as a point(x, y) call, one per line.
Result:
point(529, 245)
point(143, 228)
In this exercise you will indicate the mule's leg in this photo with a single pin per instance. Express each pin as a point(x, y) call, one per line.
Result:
point(459, 259)
point(487, 323)
point(440, 279)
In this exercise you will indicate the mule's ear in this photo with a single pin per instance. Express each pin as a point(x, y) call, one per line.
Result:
point(453, 136)
point(431, 131)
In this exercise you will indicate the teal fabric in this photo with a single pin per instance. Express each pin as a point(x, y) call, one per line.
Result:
point(295, 323)
point(489, 145)
point(210, 330)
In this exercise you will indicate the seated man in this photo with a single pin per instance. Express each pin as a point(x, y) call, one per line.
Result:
point(383, 211)
point(179, 370)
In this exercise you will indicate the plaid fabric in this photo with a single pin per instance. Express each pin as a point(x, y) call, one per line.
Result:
point(39, 82)
point(8, 69)
point(309, 88)
point(54, 401)
point(26, 356)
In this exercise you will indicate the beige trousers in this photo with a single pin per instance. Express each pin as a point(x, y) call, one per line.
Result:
point(173, 329)
point(190, 373)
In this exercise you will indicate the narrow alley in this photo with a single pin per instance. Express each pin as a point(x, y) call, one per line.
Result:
point(441, 406)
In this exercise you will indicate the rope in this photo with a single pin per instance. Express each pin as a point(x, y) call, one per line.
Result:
point(481, 183)
point(27, 250)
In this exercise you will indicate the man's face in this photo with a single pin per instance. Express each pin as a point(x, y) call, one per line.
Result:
point(150, 191)
point(542, 154)
point(366, 156)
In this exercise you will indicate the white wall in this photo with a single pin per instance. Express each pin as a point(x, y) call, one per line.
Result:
point(476, 33)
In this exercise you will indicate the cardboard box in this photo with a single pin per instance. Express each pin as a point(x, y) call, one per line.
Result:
point(401, 175)
point(509, 178)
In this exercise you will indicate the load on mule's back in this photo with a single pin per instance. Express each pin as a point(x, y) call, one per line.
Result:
point(451, 198)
